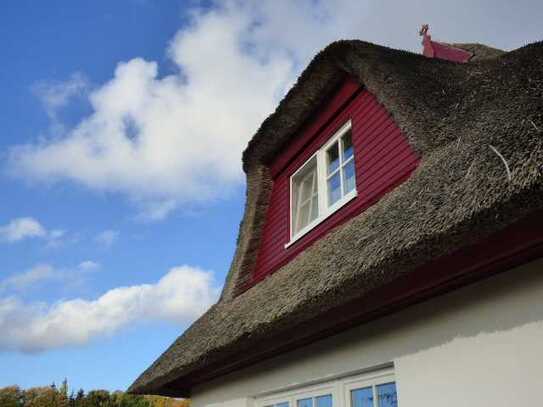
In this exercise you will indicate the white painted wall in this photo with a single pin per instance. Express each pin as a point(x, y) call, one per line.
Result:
point(479, 346)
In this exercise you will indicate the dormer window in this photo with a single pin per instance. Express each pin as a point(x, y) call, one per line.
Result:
point(305, 201)
point(340, 178)
point(323, 184)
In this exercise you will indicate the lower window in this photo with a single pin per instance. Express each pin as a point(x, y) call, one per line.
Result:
point(377, 395)
point(304, 398)
point(376, 389)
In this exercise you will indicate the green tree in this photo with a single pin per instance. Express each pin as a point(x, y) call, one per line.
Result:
point(11, 396)
point(62, 394)
point(98, 398)
point(129, 400)
point(41, 397)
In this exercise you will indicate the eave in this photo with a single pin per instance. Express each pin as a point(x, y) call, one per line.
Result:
point(513, 246)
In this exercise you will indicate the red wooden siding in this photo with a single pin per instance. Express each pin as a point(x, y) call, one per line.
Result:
point(383, 159)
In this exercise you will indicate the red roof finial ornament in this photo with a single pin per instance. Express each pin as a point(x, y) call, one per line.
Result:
point(424, 30)
point(441, 50)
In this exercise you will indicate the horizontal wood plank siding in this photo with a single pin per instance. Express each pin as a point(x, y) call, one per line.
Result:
point(383, 160)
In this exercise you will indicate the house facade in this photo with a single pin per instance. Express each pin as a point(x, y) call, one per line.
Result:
point(390, 250)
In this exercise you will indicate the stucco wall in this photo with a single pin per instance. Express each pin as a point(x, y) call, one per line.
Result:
point(478, 346)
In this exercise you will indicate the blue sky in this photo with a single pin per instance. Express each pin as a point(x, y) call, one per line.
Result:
point(122, 125)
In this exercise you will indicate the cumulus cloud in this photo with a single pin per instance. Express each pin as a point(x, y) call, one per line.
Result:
point(180, 296)
point(107, 237)
point(165, 141)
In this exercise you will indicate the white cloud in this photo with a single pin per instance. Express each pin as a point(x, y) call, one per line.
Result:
point(177, 139)
point(170, 140)
point(36, 274)
point(22, 228)
point(57, 234)
point(42, 273)
point(56, 95)
point(180, 296)
point(107, 237)
point(88, 265)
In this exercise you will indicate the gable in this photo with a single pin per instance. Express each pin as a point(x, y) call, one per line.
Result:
point(383, 160)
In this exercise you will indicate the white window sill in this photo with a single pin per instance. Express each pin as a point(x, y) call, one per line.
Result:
point(331, 210)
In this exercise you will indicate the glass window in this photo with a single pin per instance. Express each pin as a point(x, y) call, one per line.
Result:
point(319, 401)
point(347, 145)
point(324, 184)
point(362, 397)
point(324, 401)
point(332, 158)
point(348, 168)
point(371, 389)
point(340, 168)
point(386, 394)
point(305, 403)
point(365, 397)
point(305, 202)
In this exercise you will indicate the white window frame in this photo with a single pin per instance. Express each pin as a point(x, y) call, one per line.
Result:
point(324, 210)
point(372, 381)
point(340, 388)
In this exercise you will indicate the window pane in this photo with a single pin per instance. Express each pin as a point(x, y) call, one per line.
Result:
point(347, 145)
point(349, 176)
point(305, 192)
point(307, 186)
point(386, 393)
point(334, 189)
point(284, 404)
point(324, 401)
point(362, 397)
point(303, 216)
point(314, 209)
point(305, 403)
point(332, 158)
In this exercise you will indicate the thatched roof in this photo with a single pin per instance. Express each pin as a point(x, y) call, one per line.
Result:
point(463, 119)
point(480, 51)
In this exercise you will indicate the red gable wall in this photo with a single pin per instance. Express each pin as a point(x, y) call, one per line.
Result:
point(383, 159)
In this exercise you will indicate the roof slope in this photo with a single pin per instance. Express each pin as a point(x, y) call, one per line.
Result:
point(480, 51)
point(459, 117)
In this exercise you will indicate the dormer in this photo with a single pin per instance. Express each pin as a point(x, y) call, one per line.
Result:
point(346, 156)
